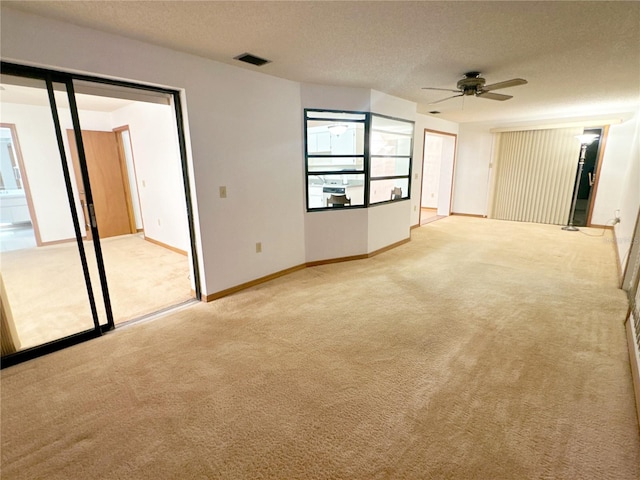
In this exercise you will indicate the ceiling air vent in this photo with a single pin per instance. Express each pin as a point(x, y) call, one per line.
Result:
point(252, 59)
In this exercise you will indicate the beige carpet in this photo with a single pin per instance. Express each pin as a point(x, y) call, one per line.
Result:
point(480, 350)
point(47, 291)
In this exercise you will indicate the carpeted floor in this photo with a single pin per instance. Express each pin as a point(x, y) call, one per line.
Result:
point(48, 294)
point(482, 349)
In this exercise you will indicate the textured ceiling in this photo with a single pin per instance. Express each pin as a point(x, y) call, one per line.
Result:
point(580, 58)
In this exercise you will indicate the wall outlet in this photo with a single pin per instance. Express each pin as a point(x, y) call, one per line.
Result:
point(616, 220)
point(223, 192)
point(259, 247)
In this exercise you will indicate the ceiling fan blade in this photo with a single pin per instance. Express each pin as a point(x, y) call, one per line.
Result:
point(494, 96)
point(443, 99)
point(441, 89)
point(506, 84)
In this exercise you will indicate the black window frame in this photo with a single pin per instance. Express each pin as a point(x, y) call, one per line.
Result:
point(409, 157)
point(367, 120)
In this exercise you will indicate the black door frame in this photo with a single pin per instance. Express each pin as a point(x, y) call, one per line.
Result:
point(50, 77)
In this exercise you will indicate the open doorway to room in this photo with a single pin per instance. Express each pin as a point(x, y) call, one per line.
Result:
point(437, 175)
point(589, 180)
point(109, 159)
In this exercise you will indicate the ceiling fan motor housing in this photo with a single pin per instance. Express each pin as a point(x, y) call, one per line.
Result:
point(471, 84)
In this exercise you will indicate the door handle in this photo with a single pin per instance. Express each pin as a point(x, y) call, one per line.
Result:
point(592, 179)
point(85, 212)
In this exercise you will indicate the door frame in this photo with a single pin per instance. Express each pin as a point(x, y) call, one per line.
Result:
point(128, 176)
point(67, 78)
point(602, 144)
point(453, 167)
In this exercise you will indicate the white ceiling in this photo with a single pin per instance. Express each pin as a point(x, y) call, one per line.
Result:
point(581, 58)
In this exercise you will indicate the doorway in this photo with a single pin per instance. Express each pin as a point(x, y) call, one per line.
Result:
point(95, 265)
point(590, 174)
point(438, 162)
point(109, 183)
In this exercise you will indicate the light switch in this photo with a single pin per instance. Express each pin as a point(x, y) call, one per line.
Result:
point(223, 192)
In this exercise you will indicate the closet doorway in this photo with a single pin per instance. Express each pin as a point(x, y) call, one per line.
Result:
point(438, 161)
point(85, 275)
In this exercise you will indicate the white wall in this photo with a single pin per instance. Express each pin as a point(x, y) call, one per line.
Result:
point(335, 98)
point(388, 224)
point(392, 106)
point(336, 234)
point(475, 147)
point(618, 157)
point(629, 200)
point(41, 157)
point(158, 171)
point(245, 133)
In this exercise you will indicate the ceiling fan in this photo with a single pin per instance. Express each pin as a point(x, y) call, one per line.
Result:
point(474, 84)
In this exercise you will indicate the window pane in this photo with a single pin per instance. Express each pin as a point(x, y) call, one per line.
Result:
point(335, 138)
point(335, 164)
point(389, 167)
point(385, 190)
point(390, 125)
point(320, 188)
point(390, 137)
point(336, 115)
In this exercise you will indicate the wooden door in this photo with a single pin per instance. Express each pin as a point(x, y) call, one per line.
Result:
point(108, 179)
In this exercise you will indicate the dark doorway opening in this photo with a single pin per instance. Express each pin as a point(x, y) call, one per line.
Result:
point(588, 181)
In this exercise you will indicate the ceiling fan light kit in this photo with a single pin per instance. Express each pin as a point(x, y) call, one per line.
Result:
point(474, 84)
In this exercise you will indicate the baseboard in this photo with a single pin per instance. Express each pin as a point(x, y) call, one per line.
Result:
point(168, 247)
point(252, 283)
point(634, 360)
point(468, 215)
point(417, 225)
point(281, 273)
point(316, 263)
point(388, 247)
point(618, 259)
point(607, 227)
point(58, 242)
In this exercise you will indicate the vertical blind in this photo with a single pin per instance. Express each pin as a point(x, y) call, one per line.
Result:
point(534, 175)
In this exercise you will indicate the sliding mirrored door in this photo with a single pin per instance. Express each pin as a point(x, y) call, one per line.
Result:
point(47, 290)
point(117, 203)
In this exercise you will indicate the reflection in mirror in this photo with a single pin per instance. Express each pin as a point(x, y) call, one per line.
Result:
point(10, 177)
point(16, 223)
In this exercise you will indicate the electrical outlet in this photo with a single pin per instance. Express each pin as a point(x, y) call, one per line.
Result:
point(616, 220)
point(259, 247)
point(223, 192)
